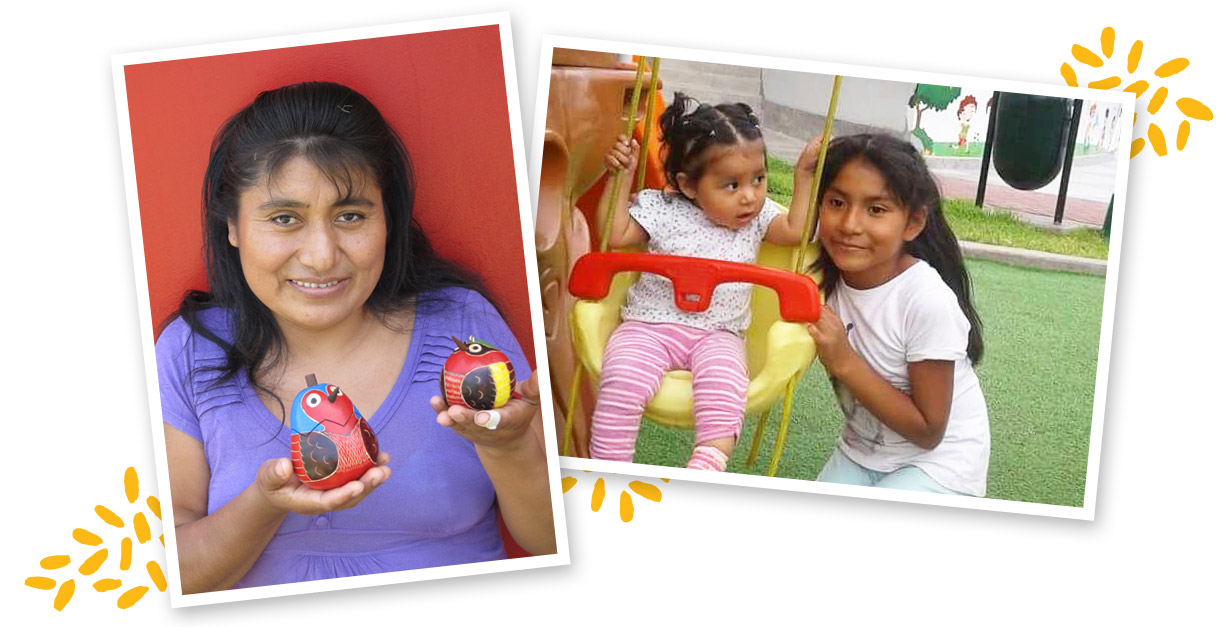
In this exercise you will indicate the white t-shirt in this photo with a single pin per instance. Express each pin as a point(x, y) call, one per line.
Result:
point(914, 317)
point(678, 227)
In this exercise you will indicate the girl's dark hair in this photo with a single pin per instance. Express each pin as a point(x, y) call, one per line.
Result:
point(345, 137)
point(690, 127)
point(911, 183)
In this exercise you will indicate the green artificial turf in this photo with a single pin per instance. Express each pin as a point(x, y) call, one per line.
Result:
point(1041, 332)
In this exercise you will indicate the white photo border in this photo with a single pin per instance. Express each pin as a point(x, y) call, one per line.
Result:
point(1086, 511)
point(502, 20)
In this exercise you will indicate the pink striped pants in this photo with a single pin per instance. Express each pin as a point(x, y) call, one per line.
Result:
point(637, 358)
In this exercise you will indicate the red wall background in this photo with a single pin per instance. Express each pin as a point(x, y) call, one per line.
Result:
point(444, 93)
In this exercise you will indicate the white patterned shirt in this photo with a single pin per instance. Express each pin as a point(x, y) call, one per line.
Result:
point(678, 227)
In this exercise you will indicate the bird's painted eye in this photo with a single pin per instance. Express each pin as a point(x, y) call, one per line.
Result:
point(474, 348)
point(312, 399)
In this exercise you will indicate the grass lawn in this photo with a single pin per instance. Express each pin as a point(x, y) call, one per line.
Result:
point(1041, 331)
point(977, 225)
point(974, 149)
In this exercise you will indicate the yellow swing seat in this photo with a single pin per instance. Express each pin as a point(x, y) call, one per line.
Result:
point(787, 342)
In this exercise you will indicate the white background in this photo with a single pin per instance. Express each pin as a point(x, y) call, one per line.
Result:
point(76, 414)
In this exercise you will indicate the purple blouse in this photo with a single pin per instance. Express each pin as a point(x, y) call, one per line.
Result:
point(436, 509)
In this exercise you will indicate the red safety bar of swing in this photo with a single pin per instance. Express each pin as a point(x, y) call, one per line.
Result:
point(694, 280)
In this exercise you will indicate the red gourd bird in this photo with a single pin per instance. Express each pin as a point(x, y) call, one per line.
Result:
point(330, 442)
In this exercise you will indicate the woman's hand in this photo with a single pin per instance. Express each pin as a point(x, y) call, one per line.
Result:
point(515, 458)
point(515, 417)
point(276, 481)
point(623, 155)
point(832, 342)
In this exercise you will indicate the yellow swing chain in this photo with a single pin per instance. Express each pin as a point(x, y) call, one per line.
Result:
point(808, 234)
point(629, 126)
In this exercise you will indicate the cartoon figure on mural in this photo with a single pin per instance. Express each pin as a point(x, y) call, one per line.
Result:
point(965, 113)
point(1095, 125)
point(1110, 128)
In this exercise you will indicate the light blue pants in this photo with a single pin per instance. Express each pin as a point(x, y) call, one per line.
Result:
point(842, 469)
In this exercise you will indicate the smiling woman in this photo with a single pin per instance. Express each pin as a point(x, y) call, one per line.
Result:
point(314, 250)
point(317, 266)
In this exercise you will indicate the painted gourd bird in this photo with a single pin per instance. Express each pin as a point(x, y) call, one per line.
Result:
point(477, 375)
point(330, 442)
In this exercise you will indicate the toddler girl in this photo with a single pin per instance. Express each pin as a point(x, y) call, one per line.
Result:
point(715, 208)
point(898, 335)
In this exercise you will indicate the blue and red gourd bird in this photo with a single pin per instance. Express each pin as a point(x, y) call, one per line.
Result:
point(330, 442)
point(477, 375)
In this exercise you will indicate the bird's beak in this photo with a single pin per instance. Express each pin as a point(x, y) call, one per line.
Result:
point(332, 393)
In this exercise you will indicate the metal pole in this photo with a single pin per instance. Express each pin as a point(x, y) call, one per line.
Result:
point(992, 114)
point(1073, 126)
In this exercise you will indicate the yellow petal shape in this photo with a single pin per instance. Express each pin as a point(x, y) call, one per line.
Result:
point(625, 506)
point(64, 594)
point(644, 489)
point(131, 486)
point(125, 553)
point(1185, 128)
point(53, 562)
point(595, 500)
point(1194, 109)
point(1159, 98)
point(131, 596)
point(1138, 144)
point(1171, 67)
point(1086, 56)
point(42, 583)
point(103, 585)
point(141, 527)
point(1108, 41)
point(1106, 83)
point(155, 575)
point(1138, 88)
point(1069, 75)
point(86, 538)
point(569, 482)
point(154, 506)
point(1134, 55)
point(109, 516)
point(1158, 140)
point(665, 480)
point(92, 563)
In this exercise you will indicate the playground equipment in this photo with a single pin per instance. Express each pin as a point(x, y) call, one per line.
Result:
point(787, 300)
point(1030, 139)
point(584, 110)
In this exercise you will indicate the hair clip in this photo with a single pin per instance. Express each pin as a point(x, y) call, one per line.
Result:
point(712, 133)
point(345, 108)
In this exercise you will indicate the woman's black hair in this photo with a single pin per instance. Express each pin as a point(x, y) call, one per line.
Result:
point(911, 183)
point(343, 134)
point(690, 127)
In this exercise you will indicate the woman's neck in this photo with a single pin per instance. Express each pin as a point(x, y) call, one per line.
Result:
point(364, 356)
point(325, 345)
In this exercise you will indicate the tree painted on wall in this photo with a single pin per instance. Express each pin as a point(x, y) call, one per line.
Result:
point(936, 97)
